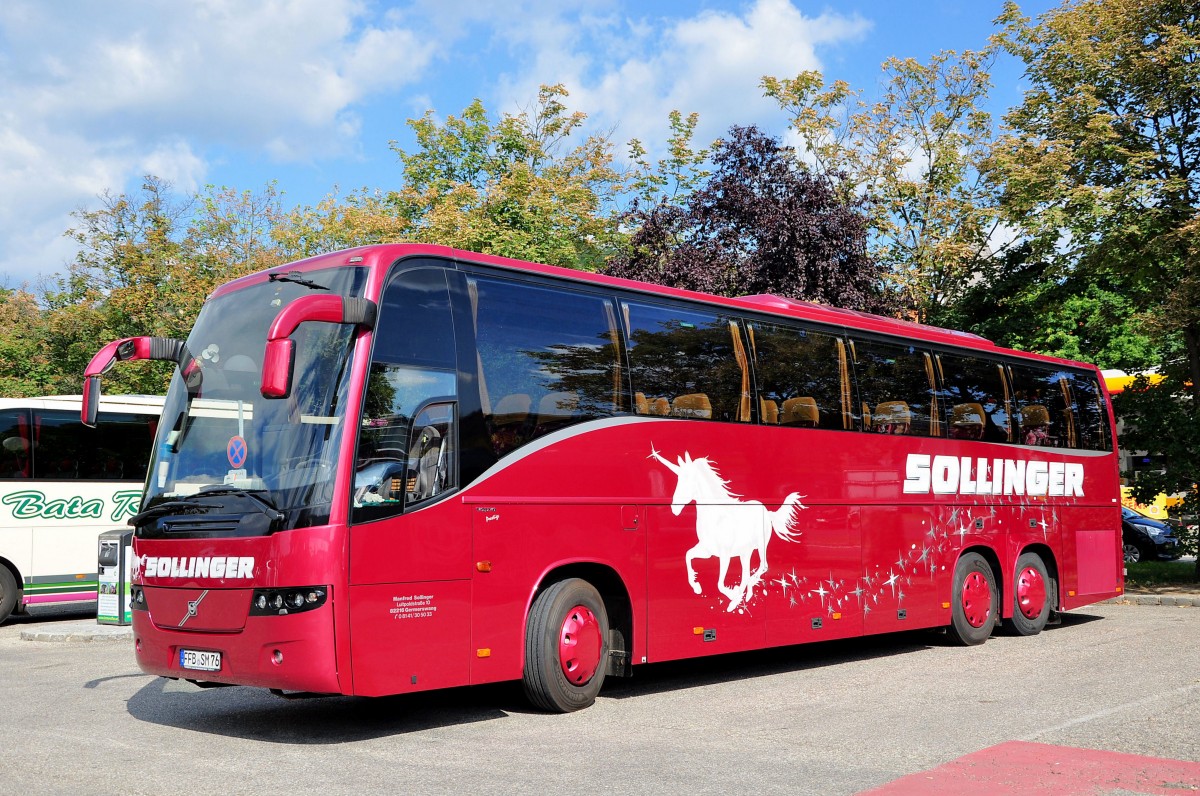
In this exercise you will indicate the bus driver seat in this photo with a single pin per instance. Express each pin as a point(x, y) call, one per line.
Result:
point(427, 463)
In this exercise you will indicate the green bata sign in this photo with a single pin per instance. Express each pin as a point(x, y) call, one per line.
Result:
point(30, 504)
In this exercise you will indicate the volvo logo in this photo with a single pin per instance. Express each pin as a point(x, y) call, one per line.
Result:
point(193, 608)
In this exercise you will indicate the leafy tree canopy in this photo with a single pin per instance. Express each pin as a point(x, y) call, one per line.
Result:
point(760, 223)
point(919, 156)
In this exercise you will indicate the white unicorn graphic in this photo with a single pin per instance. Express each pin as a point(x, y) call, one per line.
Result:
point(726, 526)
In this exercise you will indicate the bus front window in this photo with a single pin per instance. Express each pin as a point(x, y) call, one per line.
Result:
point(227, 452)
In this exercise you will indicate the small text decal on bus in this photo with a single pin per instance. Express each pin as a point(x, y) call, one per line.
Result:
point(963, 475)
point(198, 567)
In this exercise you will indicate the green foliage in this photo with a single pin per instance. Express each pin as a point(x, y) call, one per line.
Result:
point(760, 223)
point(1026, 303)
point(1156, 574)
point(1160, 421)
point(919, 155)
point(673, 178)
point(1102, 164)
point(511, 186)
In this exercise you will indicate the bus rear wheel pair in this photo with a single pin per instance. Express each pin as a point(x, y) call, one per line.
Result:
point(975, 598)
point(566, 647)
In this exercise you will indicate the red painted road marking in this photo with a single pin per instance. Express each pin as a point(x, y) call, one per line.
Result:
point(1017, 768)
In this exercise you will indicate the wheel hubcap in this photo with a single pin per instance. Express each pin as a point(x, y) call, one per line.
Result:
point(579, 645)
point(976, 599)
point(1031, 592)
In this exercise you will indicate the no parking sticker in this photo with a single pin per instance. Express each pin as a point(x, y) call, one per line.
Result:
point(237, 451)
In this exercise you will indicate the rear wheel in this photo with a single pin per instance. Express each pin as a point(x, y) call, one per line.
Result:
point(566, 647)
point(8, 592)
point(1033, 595)
point(974, 600)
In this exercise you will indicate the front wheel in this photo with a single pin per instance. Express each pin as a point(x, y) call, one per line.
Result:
point(974, 600)
point(1033, 595)
point(8, 592)
point(1133, 553)
point(566, 647)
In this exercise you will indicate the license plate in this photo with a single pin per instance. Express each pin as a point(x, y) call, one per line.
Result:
point(200, 660)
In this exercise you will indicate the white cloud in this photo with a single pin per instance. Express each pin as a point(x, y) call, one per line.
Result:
point(94, 95)
point(634, 71)
point(157, 87)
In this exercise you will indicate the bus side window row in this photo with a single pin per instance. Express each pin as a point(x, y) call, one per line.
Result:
point(557, 358)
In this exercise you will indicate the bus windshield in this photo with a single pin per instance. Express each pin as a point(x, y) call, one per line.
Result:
point(229, 462)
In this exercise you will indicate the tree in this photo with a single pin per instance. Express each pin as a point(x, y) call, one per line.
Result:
point(1102, 164)
point(26, 368)
point(919, 156)
point(1022, 301)
point(510, 186)
point(760, 223)
point(1102, 169)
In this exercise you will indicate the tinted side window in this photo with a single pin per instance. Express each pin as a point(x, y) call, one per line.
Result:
point(687, 364)
point(413, 362)
point(1091, 414)
point(974, 399)
point(117, 449)
point(800, 378)
point(1043, 412)
point(548, 359)
point(895, 395)
point(15, 444)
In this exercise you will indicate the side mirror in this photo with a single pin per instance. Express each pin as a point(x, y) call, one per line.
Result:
point(131, 348)
point(279, 358)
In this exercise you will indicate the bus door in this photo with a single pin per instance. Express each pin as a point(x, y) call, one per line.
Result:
point(410, 544)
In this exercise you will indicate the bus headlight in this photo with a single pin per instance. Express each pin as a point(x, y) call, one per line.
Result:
point(279, 602)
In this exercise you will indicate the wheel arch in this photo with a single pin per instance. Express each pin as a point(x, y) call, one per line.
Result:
point(1047, 555)
point(617, 604)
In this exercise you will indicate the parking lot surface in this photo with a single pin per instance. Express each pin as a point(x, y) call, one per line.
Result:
point(835, 718)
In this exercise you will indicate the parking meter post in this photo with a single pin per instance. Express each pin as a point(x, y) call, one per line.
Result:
point(113, 573)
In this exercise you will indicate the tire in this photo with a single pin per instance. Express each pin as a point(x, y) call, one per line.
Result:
point(974, 601)
point(1034, 595)
point(8, 592)
point(566, 647)
point(1133, 553)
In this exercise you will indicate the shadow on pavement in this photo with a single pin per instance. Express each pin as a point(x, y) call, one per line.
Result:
point(256, 714)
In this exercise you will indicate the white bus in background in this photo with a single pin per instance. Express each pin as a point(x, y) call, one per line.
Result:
point(61, 485)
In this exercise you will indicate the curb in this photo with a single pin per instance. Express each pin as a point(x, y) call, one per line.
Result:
point(79, 632)
point(1181, 600)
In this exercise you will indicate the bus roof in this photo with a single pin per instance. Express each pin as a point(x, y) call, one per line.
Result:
point(380, 256)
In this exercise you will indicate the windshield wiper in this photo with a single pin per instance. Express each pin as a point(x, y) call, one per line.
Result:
point(162, 509)
point(261, 503)
point(184, 504)
point(295, 278)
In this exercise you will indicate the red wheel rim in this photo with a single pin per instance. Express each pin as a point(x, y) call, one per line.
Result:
point(1031, 592)
point(976, 599)
point(579, 645)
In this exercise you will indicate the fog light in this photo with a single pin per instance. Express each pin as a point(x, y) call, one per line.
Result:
point(277, 656)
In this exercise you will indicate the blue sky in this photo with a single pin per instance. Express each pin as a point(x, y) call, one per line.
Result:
point(309, 92)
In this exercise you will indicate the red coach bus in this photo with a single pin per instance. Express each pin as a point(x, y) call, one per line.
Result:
point(400, 467)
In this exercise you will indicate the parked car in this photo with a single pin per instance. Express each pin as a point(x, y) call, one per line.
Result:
point(1147, 539)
